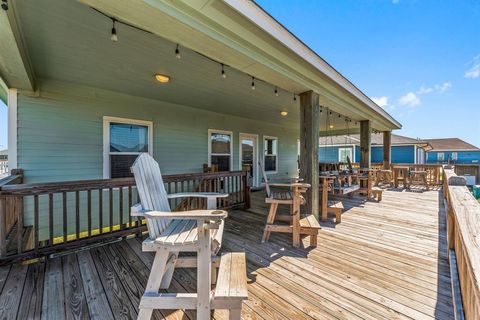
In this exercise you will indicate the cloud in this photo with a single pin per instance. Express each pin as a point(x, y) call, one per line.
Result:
point(474, 71)
point(380, 101)
point(410, 100)
point(439, 88)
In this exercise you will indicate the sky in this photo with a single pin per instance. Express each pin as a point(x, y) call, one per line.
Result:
point(418, 59)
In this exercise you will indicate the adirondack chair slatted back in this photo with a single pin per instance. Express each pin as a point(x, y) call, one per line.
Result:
point(267, 186)
point(151, 190)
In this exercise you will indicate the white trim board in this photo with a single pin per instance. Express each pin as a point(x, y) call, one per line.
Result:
point(12, 128)
point(106, 139)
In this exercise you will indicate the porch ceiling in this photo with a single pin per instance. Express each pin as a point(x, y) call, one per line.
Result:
point(70, 41)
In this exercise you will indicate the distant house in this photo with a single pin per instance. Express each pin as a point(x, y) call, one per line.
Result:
point(4, 154)
point(452, 150)
point(404, 149)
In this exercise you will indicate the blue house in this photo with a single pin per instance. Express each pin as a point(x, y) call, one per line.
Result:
point(404, 149)
point(452, 150)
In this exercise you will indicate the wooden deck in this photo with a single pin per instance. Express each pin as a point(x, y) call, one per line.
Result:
point(384, 261)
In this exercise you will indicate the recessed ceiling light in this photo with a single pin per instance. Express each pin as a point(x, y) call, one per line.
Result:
point(162, 78)
point(284, 113)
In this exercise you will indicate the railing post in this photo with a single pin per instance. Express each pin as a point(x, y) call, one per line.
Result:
point(246, 190)
point(3, 229)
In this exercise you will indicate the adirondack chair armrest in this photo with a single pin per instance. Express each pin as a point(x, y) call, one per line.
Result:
point(211, 215)
point(197, 195)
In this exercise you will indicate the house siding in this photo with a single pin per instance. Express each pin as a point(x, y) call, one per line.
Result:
point(60, 138)
point(463, 157)
point(400, 154)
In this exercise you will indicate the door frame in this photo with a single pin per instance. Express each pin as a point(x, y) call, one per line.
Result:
point(254, 137)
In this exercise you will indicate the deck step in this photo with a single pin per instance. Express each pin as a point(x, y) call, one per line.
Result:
point(309, 221)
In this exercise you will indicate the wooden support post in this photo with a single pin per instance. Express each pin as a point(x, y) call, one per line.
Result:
point(387, 149)
point(309, 140)
point(365, 143)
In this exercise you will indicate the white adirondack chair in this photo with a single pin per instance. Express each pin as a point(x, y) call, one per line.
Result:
point(173, 232)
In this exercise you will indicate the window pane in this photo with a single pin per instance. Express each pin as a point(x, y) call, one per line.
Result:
point(120, 165)
point(270, 163)
point(220, 143)
point(270, 146)
point(128, 138)
point(223, 162)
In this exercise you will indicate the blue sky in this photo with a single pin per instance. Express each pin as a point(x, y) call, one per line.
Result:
point(419, 59)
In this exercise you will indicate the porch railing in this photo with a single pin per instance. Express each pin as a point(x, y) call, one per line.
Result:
point(44, 218)
point(463, 234)
point(468, 169)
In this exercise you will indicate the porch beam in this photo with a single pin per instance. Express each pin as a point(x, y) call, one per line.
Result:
point(387, 149)
point(309, 135)
point(365, 143)
point(15, 66)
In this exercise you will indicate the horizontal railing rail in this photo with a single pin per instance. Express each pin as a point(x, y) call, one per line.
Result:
point(56, 216)
point(463, 236)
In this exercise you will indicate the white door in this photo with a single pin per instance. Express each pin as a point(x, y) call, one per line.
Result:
point(249, 156)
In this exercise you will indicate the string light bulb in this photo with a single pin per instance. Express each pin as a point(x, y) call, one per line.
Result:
point(177, 53)
point(276, 91)
point(224, 75)
point(253, 83)
point(114, 36)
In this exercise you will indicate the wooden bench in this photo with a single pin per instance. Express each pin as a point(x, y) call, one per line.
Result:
point(231, 287)
point(336, 208)
point(309, 225)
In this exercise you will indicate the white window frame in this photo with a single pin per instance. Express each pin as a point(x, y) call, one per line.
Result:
point(263, 155)
point(442, 157)
point(349, 149)
point(454, 156)
point(210, 131)
point(106, 139)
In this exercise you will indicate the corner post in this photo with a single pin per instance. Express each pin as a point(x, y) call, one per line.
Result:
point(365, 144)
point(387, 149)
point(309, 140)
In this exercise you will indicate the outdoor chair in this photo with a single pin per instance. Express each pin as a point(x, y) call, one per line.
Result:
point(189, 231)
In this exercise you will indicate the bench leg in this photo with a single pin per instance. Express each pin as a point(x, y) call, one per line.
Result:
point(270, 220)
point(154, 280)
point(313, 239)
point(234, 314)
point(338, 216)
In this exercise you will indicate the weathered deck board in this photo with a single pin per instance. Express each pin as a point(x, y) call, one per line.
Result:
point(385, 260)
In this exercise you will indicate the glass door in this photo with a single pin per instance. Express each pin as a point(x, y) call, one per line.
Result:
point(248, 157)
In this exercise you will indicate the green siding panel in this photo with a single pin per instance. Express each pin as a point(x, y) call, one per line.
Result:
point(60, 136)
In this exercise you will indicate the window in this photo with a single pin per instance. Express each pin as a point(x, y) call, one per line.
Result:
point(220, 149)
point(454, 156)
point(440, 157)
point(270, 148)
point(123, 141)
point(343, 153)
